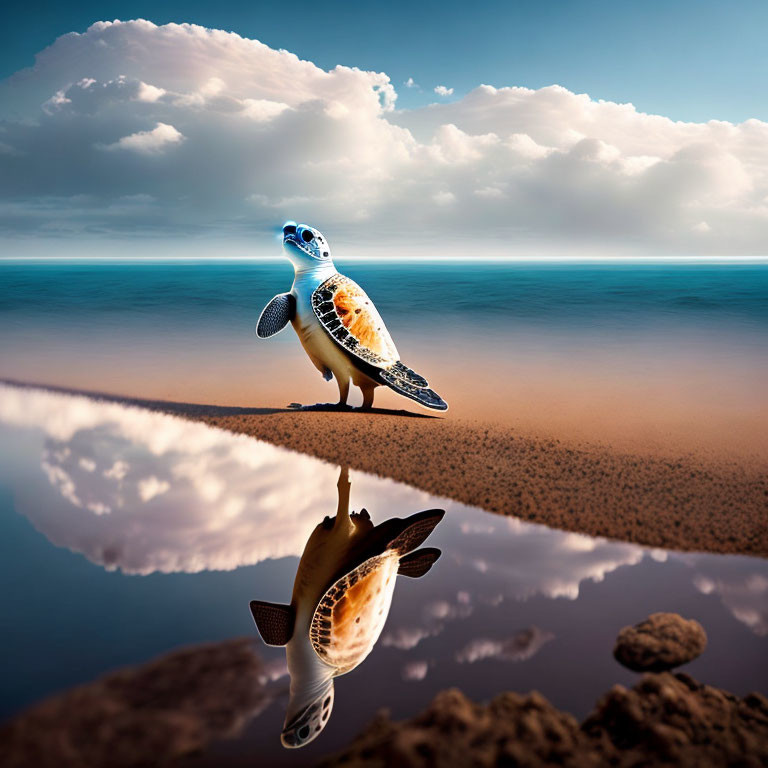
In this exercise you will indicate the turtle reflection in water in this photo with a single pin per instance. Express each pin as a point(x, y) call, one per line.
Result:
point(341, 599)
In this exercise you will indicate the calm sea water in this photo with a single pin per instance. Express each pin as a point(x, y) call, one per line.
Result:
point(633, 353)
point(126, 534)
point(197, 295)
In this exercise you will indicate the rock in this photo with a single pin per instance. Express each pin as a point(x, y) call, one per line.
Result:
point(152, 714)
point(524, 731)
point(673, 719)
point(665, 719)
point(661, 642)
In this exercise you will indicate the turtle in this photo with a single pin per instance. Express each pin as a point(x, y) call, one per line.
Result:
point(341, 598)
point(338, 325)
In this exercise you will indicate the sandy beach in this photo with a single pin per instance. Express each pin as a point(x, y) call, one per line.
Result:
point(692, 502)
point(685, 503)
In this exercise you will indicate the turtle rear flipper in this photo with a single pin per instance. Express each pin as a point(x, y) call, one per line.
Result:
point(404, 386)
point(408, 375)
point(416, 564)
point(415, 531)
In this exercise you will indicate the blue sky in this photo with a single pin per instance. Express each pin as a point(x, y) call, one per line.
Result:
point(200, 122)
point(689, 60)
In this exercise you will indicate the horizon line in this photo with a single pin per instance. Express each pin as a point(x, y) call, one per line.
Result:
point(401, 258)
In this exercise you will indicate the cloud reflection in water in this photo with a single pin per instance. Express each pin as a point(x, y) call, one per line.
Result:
point(143, 492)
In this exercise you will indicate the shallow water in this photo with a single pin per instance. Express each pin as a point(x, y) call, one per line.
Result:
point(128, 533)
point(666, 357)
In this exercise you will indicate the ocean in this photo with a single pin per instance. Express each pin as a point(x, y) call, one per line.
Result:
point(658, 356)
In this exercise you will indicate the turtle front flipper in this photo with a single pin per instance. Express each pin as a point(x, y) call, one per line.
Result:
point(276, 315)
point(274, 621)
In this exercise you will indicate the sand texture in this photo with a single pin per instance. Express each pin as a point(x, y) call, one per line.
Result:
point(692, 502)
point(686, 503)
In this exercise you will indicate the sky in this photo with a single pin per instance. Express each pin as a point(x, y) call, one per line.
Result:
point(576, 125)
point(687, 59)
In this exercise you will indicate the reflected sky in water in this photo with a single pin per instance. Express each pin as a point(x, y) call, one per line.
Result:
point(128, 533)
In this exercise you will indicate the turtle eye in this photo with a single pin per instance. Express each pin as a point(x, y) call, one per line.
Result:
point(289, 229)
point(307, 236)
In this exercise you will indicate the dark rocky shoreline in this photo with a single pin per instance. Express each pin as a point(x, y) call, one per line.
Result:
point(172, 708)
point(668, 719)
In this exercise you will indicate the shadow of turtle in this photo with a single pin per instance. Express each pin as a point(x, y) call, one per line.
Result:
point(202, 410)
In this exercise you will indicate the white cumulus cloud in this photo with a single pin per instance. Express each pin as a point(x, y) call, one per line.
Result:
point(149, 93)
point(520, 647)
point(275, 137)
point(149, 487)
point(415, 670)
point(149, 142)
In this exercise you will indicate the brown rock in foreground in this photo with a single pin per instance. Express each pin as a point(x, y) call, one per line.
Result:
point(662, 642)
point(666, 719)
point(147, 715)
point(675, 720)
point(454, 731)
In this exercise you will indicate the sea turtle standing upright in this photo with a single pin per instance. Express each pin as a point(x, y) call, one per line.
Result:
point(341, 598)
point(338, 325)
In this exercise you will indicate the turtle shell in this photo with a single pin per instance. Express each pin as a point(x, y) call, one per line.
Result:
point(352, 321)
point(351, 614)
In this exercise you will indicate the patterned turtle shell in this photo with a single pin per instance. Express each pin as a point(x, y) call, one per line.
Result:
point(351, 614)
point(352, 321)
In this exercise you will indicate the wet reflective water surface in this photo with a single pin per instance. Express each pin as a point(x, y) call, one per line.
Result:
point(128, 534)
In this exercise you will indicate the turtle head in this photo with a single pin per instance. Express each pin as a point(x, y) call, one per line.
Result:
point(304, 723)
point(305, 246)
